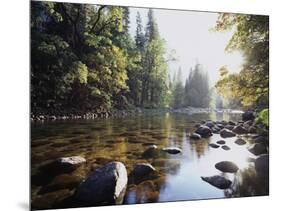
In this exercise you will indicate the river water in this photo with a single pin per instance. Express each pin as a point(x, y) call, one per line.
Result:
point(125, 139)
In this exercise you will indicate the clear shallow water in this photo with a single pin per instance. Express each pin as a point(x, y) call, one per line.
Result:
point(125, 139)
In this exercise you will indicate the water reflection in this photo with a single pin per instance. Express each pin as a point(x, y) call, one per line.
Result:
point(125, 139)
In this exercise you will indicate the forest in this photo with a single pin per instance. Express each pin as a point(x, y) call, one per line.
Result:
point(83, 58)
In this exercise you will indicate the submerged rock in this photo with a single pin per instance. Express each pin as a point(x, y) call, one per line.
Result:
point(172, 150)
point(258, 149)
point(214, 145)
point(218, 181)
point(51, 200)
point(143, 169)
point(151, 151)
point(227, 166)
point(225, 133)
point(62, 181)
point(240, 141)
point(105, 185)
point(63, 165)
point(195, 136)
point(262, 165)
point(204, 131)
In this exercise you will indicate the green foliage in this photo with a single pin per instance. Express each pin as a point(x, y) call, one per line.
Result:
point(263, 117)
point(251, 37)
point(83, 58)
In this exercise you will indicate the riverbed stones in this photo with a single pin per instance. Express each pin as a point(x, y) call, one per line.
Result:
point(209, 124)
point(229, 127)
point(151, 151)
point(214, 145)
point(227, 166)
point(204, 131)
point(231, 123)
point(225, 133)
point(258, 149)
point(239, 130)
point(195, 136)
point(106, 185)
point(262, 165)
point(63, 165)
point(218, 181)
point(172, 150)
point(225, 147)
point(143, 169)
point(221, 142)
point(240, 141)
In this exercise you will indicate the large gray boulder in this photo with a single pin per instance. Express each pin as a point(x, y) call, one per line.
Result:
point(225, 133)
point(218, 181)
point(262, 165)
point(107, 185)
point(204, 131)
point(227, 166)
point(258, 149)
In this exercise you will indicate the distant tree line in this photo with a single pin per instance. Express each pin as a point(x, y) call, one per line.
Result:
point(195, 92)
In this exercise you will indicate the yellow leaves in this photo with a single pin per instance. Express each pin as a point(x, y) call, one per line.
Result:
point(78, 72)
point(223, 71)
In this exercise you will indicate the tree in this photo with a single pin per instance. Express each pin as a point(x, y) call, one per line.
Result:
point(178, 91)
point(251, 37)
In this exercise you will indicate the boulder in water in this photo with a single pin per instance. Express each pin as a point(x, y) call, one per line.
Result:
point(106, 185)
point(204, 131)
point(239, 130)
point(143, 169)
point(240, 141)
point(218, 181)
point(227, 166)
point(225, 133)
point(258, 149)
point(172, 150)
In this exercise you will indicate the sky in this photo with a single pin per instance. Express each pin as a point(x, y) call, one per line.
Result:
point(188, 33)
